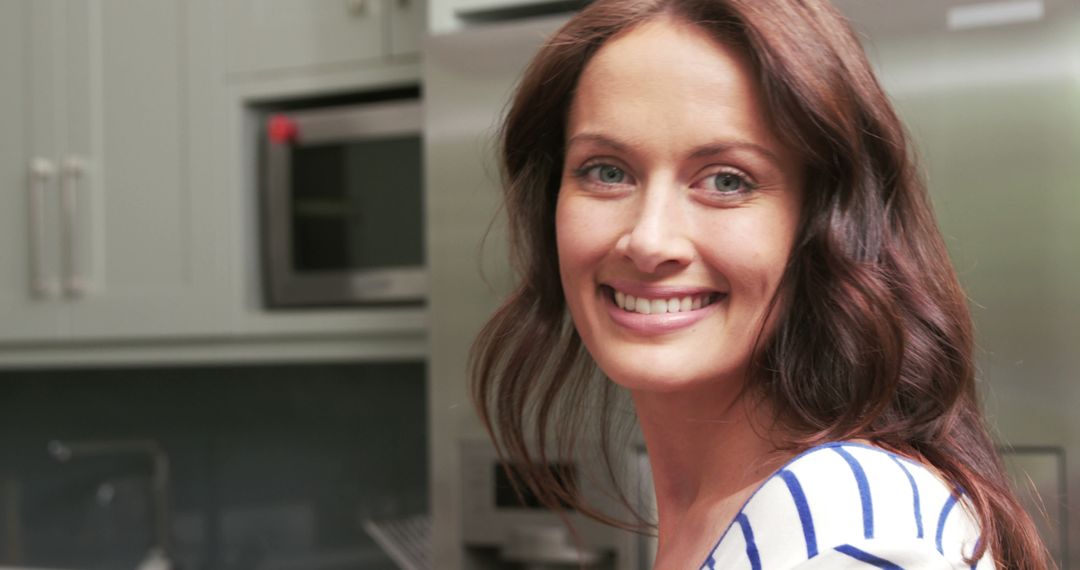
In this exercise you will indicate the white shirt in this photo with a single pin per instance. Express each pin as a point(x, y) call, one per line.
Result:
point(849, 506)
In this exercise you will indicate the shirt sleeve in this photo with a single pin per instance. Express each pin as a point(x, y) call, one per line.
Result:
point(884, 554)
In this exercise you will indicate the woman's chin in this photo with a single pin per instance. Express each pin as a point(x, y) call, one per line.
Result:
point(662, 379)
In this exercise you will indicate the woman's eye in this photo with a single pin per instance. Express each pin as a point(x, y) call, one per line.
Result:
point(610, 174)
point(605, 174)
point(728, 183)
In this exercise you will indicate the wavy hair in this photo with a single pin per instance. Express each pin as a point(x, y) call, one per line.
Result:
point(873, 340)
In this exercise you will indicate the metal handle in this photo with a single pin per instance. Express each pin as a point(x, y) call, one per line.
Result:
point(72, 171)
point(41, 173)
point(357, 8)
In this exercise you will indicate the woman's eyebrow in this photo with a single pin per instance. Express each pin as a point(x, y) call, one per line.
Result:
point(725, 147)
point(703, 151)
point(596, 138)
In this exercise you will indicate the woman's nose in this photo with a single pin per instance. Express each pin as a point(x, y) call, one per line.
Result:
point(657, 235)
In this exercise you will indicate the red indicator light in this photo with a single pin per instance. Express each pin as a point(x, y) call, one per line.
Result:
point(281, 129)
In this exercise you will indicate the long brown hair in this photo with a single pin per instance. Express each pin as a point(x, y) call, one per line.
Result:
point(873, 339)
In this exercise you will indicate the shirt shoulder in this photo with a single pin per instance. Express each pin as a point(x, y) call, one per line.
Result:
point(849, 497)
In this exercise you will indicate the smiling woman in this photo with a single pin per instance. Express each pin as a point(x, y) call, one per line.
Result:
point(713, 203)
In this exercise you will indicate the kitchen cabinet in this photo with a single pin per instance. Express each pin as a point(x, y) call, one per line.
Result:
point(128, 226)
point(110, 222)
point(406, 23)
point(291, 35)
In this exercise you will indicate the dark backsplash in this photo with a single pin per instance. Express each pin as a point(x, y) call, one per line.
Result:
point(272, 467)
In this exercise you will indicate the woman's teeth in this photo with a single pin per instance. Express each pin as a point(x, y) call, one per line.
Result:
point(660, 306)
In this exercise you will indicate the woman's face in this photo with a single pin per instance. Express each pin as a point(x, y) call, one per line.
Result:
point(677, 210)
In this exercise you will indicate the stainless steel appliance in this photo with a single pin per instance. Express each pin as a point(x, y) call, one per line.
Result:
point(503, 529)
point(343, 208)
point(468, 77)
point(989, 92)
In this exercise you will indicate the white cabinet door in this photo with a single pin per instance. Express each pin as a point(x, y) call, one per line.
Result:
point(406, 26)
point(146, 257)
point(28, 203)
point(279, 35)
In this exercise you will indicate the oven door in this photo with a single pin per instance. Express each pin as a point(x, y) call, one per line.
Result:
point(343, 206)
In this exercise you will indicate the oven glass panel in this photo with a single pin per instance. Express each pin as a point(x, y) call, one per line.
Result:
point(357, 205)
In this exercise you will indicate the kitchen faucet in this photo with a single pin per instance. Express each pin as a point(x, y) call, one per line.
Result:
point(161, 554)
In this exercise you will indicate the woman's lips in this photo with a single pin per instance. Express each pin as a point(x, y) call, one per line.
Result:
point(665, 311)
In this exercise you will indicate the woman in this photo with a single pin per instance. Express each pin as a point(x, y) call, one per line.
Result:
point(713, 202)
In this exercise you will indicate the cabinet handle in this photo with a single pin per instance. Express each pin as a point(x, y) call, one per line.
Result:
point(41, 174)
point(72, 171)
point(358, 8)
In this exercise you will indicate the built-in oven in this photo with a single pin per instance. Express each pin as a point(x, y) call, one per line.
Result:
point(343, 204)
point(507, 527)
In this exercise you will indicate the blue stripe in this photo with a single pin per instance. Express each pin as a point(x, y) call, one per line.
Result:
point(864, 492)
point(914, 494)
point(751, 546)
point(978, 543)
point(863, 556)
point(804, 512)
point(942, 518)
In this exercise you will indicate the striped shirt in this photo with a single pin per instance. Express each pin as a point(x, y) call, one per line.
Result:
point(848, 506)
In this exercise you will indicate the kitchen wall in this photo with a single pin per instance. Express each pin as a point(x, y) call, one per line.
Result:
point(271, 466)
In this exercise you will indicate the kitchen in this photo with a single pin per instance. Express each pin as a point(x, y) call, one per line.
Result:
point(151, 320)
